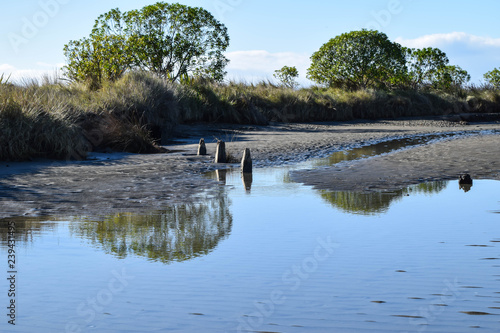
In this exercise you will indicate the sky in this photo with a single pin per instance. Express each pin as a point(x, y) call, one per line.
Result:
point(265, 34)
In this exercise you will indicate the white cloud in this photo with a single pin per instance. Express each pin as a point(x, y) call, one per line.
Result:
point(6, 68)
point(476, 54)
point(440, 40)
point(17, 75)
point(264, 61)
point(256, 65)
point(52, 66)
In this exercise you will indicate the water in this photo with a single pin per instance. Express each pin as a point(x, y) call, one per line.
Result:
point(267, 255)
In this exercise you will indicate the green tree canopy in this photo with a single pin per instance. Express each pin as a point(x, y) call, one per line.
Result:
point(424, 65)
point(493, 78)
point(451, 78)
point(96, 59)
point(287, 76)
point(358, 59)
point(170, 40)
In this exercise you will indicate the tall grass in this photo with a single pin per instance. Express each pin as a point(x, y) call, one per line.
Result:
point(264, 102)
point(50, 118)
point(34, 122)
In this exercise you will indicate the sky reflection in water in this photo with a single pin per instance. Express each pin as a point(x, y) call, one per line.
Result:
point(274, 256)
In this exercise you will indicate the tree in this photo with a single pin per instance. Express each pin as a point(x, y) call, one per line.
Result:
point(451, 78)
point(493, 78)
point(175, 40)
point(287, 76)
point(358, 59)
point(96, 59)
point(170, 40)
point(424, 65)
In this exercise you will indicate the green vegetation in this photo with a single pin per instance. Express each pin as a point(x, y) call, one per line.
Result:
point(141, 72)
point(451, 78)
point(493, 78)
point(287, 76)
point(170, 40)
point(368, 59)
point(358, 60)
point(52, 119)
point(424, 65)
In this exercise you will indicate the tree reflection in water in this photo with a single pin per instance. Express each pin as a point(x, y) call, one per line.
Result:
point(377, 202)
point(26, 229)
point(377, 149)
point(177, 233)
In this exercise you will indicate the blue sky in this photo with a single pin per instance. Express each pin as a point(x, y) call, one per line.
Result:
point(266, 35)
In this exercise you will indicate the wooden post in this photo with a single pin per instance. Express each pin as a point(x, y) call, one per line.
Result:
point(202, 148)
point(246, 162)
point(220, 153)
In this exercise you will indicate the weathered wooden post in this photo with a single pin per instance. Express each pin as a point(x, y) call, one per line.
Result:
point(220, 153)
point(246, 162)
point(202, 148)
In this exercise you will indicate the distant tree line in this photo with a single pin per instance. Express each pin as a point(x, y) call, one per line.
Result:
point(176, 42)
point(368, 59)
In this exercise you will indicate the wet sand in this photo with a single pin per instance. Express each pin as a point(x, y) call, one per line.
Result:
point(133, 183)
point(478, 156)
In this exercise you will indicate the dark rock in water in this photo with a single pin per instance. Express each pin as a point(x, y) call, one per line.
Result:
point(465, 179)
point(202, 148)
point(220, 153)
point(246, 161)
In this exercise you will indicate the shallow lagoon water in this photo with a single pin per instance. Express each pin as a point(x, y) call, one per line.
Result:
point(275, 256)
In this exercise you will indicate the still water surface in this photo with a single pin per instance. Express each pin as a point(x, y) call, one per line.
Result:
point(267, 256)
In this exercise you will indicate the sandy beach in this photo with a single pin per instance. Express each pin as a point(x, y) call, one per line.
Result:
point(108, 183)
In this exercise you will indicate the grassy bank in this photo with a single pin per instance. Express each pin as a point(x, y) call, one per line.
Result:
point(57, 120)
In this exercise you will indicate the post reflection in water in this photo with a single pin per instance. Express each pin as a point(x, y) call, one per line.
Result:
point(220, 175)
point(247, 179)
point(177, 233)
point(465, 187)
point(375, 203)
